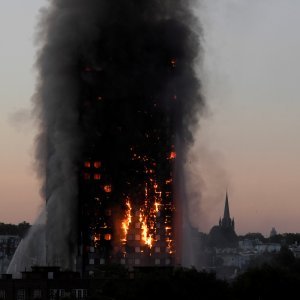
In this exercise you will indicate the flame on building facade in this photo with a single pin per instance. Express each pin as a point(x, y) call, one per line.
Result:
point(126, 199)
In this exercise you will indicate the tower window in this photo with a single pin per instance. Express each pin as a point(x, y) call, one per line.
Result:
point(91, 273)
point(87, 164)
point(97, 164)
point(97, 176)
point(172, 155)
point(107, 188)
point(97, 237)
point(107, 237)
point(87, 176)
point(21, 294)
point(138, 225)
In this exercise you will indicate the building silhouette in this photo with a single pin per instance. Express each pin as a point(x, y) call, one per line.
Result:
point(223, 235)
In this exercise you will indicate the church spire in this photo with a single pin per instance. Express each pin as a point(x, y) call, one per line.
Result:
point(226, 209)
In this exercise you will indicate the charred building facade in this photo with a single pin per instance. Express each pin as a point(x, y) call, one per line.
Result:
point(126, 200)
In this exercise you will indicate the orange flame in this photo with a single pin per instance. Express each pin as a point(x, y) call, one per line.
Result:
point(127, 221)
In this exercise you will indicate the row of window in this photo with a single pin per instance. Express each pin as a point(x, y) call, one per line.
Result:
point(137, 261)
point(137, 237)
point(21, 294)
point(95, 164)
point(92, 261)
point(88, 176)
point(53, 294)
point(61, 293)
point(156, 249)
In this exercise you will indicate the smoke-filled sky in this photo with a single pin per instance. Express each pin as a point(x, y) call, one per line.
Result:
point(248, 141)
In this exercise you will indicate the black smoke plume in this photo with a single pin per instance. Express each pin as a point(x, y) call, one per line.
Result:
point(113, 74)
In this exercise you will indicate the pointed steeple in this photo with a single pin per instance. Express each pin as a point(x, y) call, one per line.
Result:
point(226, 209)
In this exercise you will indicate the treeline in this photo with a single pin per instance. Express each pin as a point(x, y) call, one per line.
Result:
point(277, 279)
point(283, 239)
point(20, 229)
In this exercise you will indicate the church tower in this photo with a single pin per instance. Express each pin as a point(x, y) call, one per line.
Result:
point(226, 221)
point(223, 235)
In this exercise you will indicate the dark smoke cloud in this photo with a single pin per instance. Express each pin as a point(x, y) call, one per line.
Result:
point(121, 49)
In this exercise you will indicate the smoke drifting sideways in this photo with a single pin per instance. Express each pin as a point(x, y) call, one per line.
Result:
point(130, 47)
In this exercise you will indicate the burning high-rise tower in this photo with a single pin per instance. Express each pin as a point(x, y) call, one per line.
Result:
point(126, 199)
point(117, 100)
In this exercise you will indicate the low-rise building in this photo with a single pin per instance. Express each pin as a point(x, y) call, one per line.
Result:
point(8, 246)
point(45, 283)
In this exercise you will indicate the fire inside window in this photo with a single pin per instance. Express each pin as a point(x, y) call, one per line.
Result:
point(107, 237)
point(97, 176)
point(107, 188)
point(97, 237)
point(87, 164)
point(173, 62)
point(172, 155)
point(97, 164)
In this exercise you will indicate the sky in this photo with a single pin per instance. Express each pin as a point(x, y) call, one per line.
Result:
point(247, 142)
